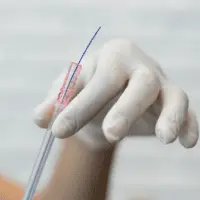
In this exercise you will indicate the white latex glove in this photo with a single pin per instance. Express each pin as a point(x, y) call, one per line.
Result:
point(120, 92)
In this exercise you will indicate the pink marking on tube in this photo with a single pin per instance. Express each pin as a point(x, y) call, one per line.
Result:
point(59, 97)
point(70, 90)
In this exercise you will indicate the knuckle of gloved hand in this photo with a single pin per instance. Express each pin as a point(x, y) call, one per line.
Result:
point(115, 55)
point(146, 73)
point(149, 77)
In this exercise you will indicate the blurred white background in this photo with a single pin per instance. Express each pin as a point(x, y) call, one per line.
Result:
point(38, 38)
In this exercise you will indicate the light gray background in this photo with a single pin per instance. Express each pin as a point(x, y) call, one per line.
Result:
point(38, 38)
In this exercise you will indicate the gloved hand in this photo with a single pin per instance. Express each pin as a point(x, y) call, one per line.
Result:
point(121, 92)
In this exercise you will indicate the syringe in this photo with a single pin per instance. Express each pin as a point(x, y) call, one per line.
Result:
point(62, 100)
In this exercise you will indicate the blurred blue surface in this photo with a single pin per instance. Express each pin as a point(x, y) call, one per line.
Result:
point(39, 38)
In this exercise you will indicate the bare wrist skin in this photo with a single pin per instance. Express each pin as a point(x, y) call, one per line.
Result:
point(80, 173)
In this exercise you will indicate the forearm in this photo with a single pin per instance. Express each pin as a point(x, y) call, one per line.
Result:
point(80, 174)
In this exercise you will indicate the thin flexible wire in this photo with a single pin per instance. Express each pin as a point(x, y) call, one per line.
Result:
point(48, 141)
point(82, 58)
